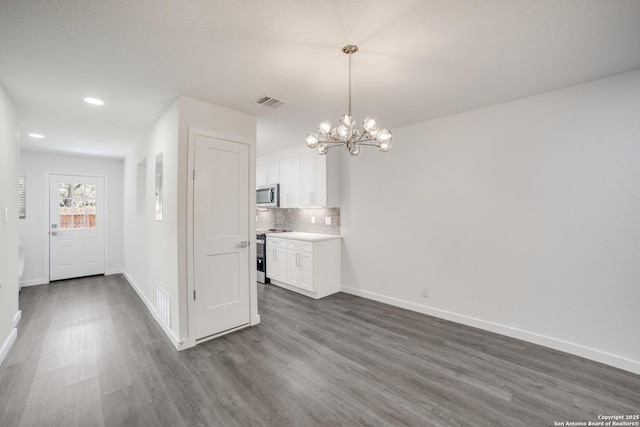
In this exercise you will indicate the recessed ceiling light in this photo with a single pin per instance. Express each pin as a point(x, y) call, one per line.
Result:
point(36, 135)
point(93, 101)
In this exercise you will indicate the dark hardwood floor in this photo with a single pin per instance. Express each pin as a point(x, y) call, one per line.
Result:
point(88, 353)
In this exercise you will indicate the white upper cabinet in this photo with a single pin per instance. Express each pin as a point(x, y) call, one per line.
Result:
point(313, 180)
point(306, 179)
point(290, 182)
point(268, 173)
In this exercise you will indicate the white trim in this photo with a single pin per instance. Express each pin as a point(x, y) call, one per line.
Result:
point(306, 293)
point(113, 271)
point(8, 343)
point(554, 343)
point(179, 345)
point(16, 318)
point(219, 334)
point(105, 216)
point(34, 282)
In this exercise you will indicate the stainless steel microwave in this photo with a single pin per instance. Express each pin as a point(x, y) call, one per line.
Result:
point(268, 195)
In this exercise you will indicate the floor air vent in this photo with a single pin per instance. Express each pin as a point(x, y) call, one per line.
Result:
point(163, 305)
point(268, 101)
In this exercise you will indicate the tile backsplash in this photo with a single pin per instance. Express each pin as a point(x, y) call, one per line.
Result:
point(299, 219)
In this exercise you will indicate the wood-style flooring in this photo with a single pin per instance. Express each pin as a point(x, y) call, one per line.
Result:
point(89, 353)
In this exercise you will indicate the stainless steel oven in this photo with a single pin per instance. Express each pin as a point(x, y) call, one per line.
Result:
point(261, 242)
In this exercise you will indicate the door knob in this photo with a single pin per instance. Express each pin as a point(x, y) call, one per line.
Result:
point(54, 233)
point(244, 244)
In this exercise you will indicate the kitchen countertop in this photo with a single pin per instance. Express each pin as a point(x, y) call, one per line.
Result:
point(309, 237)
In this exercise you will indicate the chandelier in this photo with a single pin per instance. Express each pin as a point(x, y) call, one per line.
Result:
point(346, 134)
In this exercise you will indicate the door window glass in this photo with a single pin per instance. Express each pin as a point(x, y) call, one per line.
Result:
point(77, 206)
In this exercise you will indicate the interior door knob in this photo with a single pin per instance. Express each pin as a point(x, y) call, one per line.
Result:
point(244, 244)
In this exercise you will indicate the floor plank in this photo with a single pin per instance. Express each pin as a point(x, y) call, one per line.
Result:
point(88, 353)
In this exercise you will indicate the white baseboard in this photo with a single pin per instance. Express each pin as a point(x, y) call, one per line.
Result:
point(113, 271)
point(34, 282)
point(256, 320)
point(7, 344)
point(16, 318)
point(556, 344)
point(177, 343)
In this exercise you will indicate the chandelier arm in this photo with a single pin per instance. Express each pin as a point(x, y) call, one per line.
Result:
point(368, 144)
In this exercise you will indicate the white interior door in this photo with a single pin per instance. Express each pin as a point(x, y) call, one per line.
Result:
point(76, 226)
point(220, 235)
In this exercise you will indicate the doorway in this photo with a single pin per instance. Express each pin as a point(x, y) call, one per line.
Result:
point(76, 226)
point(221, 266)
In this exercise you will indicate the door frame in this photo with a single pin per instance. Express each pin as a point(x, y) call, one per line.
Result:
point(254, 317)
point(47, 224)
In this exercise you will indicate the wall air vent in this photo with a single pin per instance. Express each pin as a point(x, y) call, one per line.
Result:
point(269, 102)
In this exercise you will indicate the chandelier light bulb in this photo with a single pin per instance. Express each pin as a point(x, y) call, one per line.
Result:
point(384, 147)
point(325, 128)
point(383, 136)
point(347, 120)
point(370, 125)
point(312, 140)
point(346, 133)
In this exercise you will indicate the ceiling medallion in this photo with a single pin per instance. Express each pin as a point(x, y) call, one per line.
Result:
point(346, 134)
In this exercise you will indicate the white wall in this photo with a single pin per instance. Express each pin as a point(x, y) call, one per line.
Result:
point(227, 124)
point(521, 218)
point(9, 157)
point(151, 251)
point(34, 228)
point(156, 251)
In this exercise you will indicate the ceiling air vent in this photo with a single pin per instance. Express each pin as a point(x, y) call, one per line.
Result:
point(270, 102)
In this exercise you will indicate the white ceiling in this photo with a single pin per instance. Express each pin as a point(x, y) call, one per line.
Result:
point(418, 60)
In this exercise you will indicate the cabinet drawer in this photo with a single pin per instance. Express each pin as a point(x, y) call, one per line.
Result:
point(300, 245)
point(274, 242)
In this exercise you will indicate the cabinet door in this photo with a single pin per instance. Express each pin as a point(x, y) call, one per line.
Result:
point(261, 176)
point(290, 182)
point(277, 264)
point(267, 174)
point(308, 179)
point(306, 270)
point(313, 180)
point(300, 269)
point(292, 268)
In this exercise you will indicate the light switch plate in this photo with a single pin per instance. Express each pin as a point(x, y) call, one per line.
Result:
point(313, 220)
point(327, 220)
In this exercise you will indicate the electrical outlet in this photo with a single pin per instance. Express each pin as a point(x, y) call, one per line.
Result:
point(327, 220)
point(313, 220)
point(425, 292)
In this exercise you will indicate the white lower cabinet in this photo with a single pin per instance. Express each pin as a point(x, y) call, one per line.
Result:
point(311, 268)
point(300, 269)
point(277, 259)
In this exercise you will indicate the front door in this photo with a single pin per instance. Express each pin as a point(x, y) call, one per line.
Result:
point(76, 226)
point(220, 235)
